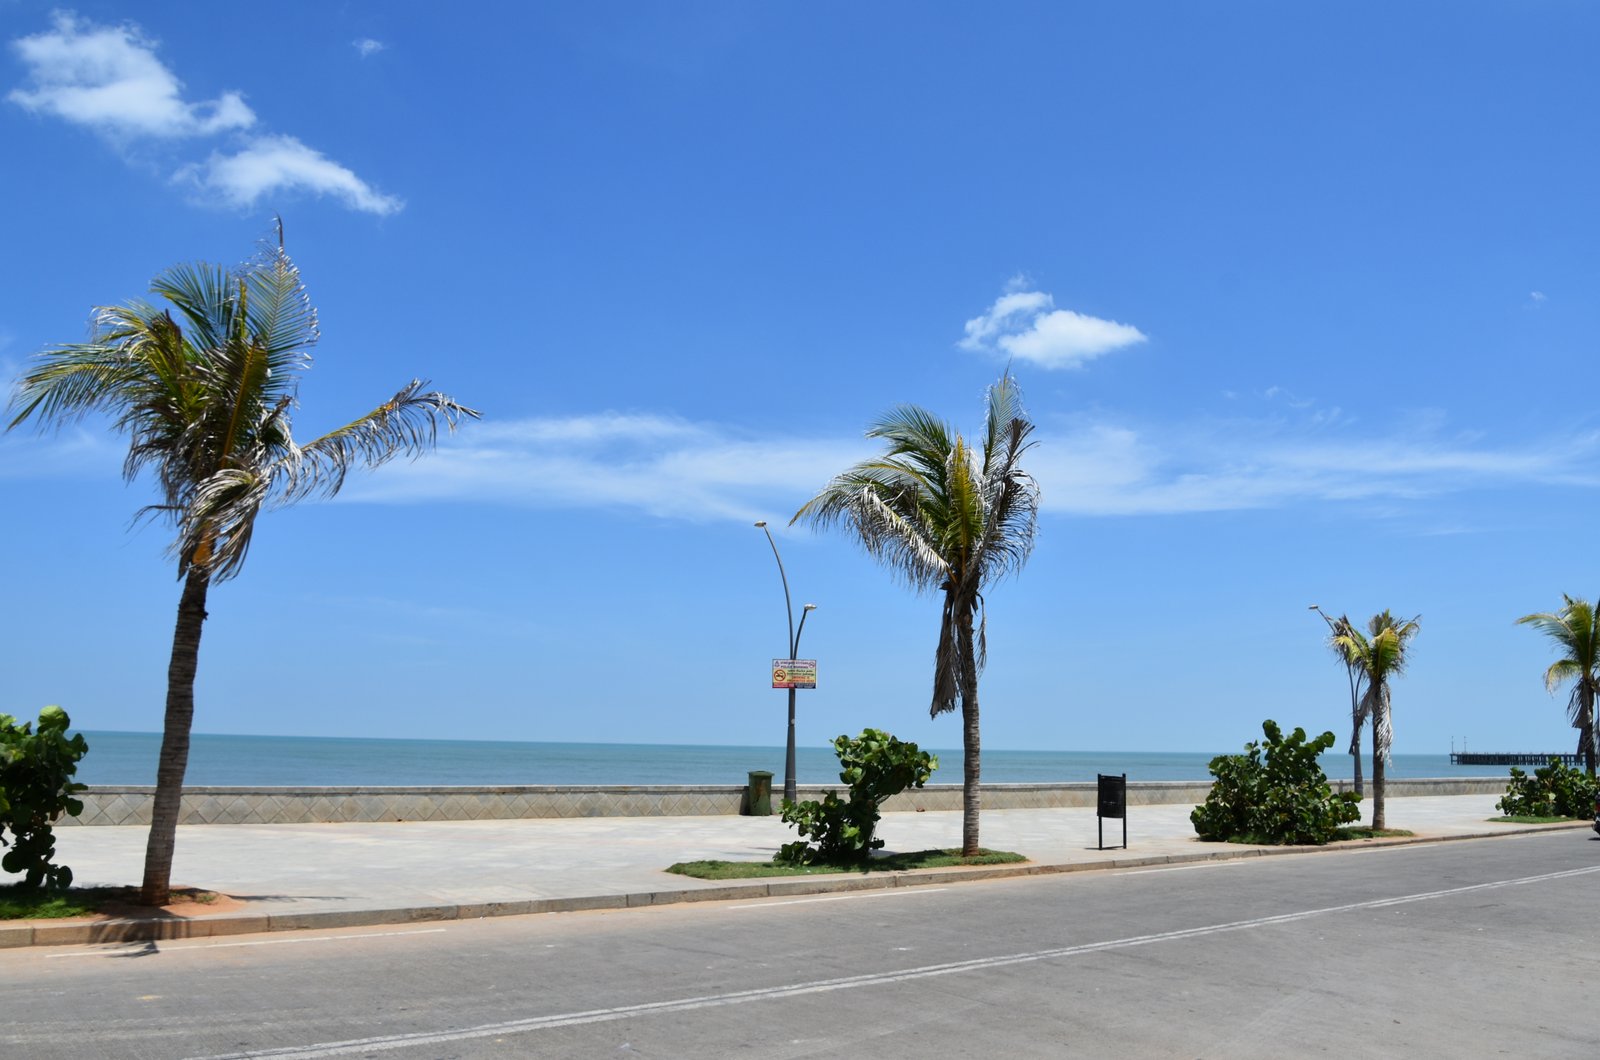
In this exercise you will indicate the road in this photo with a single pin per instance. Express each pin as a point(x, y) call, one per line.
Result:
point(1476, 948)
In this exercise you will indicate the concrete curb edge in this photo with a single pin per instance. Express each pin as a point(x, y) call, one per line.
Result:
point(19, 934)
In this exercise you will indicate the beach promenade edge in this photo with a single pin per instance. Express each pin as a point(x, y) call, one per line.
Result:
point(165, 927)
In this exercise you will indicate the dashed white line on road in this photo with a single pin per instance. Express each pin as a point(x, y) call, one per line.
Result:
point(841, 898)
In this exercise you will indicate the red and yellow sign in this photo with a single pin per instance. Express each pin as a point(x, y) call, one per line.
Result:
point(794, 673)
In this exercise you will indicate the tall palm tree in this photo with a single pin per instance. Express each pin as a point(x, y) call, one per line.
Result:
point(203, 389)
point(1378, 655)
point(1576, 630)
point(945, 516)
point(1358, 717)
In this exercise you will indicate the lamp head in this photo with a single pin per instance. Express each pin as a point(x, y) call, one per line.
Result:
point(811, 607)
point(761, 523)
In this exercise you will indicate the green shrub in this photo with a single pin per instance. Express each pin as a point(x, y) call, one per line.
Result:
point(1554, 790)
point(876, 766)
point(1274, 793)
point(36, 788)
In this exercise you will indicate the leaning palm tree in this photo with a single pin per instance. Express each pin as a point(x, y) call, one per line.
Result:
point(1576, 631)
point(945, 516)
point(1378, 655)
point(204, 390)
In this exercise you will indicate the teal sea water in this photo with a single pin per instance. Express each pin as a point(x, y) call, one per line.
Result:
point(312, 761)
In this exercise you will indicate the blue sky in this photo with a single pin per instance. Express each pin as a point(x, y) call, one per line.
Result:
point(1303, 299)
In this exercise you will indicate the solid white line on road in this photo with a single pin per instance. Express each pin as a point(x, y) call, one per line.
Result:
point(196, 944)
point(840, 898)
point(385, 1043)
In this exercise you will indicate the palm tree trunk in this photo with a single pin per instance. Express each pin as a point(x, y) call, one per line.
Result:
point(1355, 754)
point(969, 742)
point(1377, 778)
point(157, 889)
point(1588, 730)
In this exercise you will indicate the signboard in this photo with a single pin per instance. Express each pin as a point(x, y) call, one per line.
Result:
point(1112, 803)
point(794, 673)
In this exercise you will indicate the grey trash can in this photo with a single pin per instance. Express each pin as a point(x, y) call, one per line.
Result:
point(759, 794)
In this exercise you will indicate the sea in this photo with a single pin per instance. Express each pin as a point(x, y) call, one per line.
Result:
point(118, 758)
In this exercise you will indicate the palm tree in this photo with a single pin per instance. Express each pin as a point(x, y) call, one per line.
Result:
point(203, 390)
point(1576, 630)
point(949, 517)
point(1378, 655)
point(1336, 628)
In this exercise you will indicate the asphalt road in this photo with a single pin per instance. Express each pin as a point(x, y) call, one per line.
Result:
point(1463, 949)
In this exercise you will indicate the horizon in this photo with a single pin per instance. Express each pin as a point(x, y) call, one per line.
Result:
point(1302, 311)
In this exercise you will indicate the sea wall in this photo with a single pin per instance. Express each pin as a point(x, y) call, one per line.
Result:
point(105, 805)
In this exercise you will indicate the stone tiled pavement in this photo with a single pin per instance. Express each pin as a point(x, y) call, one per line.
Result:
point(326, 875)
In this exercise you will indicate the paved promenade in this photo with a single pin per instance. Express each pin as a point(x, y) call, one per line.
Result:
point(333, 875)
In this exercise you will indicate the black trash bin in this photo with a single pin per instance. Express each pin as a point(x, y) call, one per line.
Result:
point(758, 795)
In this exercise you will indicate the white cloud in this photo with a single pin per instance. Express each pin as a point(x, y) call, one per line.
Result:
point(366, 46)
point(658, 465)
point(1026, 326)
point(109, 79)
point(271, 164)
point(1108, 469)
point(672, 468)
point(1537, 296)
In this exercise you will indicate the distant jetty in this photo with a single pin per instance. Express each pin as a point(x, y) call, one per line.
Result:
point(1500, 758)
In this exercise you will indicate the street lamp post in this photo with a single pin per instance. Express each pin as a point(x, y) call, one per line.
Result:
point(1337, 626)
point(789, 793)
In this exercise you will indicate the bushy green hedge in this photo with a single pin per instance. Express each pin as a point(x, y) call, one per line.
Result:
point(1274, 793)
point(876, 766)
point(36, 787)
point(1554, 790)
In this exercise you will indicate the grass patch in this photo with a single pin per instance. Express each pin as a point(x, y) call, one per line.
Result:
point(1534, 820)
point(20, 903)
point(918, 859)
point(1357, 831)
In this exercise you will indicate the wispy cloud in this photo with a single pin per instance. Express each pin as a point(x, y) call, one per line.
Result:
point(657, 465)
point(1025, 325)
point(678, 469)
point(367, 47)
point(1537, 296)
point(272, 164)
point(1103, 468)
point(109, 79)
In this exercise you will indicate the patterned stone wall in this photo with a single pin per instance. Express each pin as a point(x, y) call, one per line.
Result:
point(213, 805)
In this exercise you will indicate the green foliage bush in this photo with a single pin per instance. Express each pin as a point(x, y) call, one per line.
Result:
point(876, 766)
point(1554, 790)
point(1274, 793)
point(36, 788)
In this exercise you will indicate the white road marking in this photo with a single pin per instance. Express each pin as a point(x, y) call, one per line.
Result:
point(840, 898)
point(198, 944)
point(1231, 863)
point(385, 1043)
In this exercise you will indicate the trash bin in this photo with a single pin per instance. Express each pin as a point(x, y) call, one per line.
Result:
point(759, 794)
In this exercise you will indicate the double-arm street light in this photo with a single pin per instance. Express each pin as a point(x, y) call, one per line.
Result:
point(1337, 626)
point(794, 653)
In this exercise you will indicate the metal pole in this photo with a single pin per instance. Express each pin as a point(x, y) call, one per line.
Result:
point(789, 789)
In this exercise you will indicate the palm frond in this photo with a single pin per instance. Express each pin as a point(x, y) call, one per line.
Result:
point(407, 424)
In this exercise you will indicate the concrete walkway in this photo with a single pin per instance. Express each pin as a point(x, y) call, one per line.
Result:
point(339, 875)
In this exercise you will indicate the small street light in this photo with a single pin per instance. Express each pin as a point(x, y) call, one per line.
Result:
point(789, 791)
point(1337, 626)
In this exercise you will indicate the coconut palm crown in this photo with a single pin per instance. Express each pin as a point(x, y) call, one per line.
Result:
point(204, 389)
point(949, 516)
point(1576, 630)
